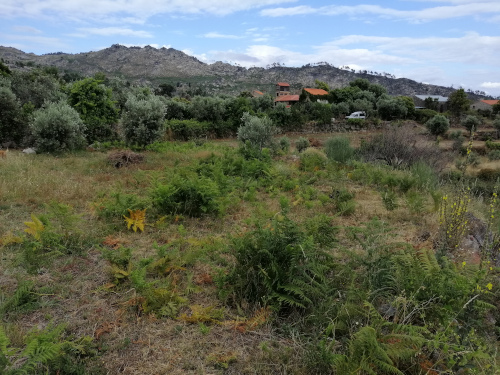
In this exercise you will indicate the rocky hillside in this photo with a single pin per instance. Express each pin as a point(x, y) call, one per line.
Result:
point(170, 65)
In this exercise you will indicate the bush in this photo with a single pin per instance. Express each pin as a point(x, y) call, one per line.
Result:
point(438, 125)
point(12, 128)
point(284, 143)
point(191, 195)
point(92, 101)
point(58, 127)
point(257, 131)
point(277, 266)
point(357, 122)
point(312, 160)
point(143, 119)
point(471, 123)
point(301, 144)
point(494, 155)
point(339, 149)
point(398, 147)
point(186, 130)
point(424, 115)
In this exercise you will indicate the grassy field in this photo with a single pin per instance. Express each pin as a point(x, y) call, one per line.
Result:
point(98, 298)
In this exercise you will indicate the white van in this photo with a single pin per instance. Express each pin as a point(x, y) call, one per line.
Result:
point(359, 114)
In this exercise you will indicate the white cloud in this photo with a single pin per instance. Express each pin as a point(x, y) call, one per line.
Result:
point(111, 31)
point(463, 9)
point(31, 42)
point(214, 34)
point(26, 29)
point(490, 85)
point(134, 8)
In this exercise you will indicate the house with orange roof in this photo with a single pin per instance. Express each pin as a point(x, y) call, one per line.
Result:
point(484, 105)
point(282, 89)
point(288, 100)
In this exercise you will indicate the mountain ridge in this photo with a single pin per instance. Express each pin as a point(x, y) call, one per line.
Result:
point(168, 64)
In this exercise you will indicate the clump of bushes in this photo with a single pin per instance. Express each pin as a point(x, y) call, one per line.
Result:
point(190, 195)
point(142, 120)
point(438, 125)
point(301, 144)
point(57, 127)
point(312, 160)
point(256, 131)
point(339, 149)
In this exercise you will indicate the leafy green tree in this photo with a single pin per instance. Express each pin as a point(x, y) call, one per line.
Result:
point(495, 108)
point(362, 83)
point(4, 70)
point(430, 103)
point(165, 89)
point(36, 87)
point(93, 101)
point(281, 116)
point(322, 85)
point(58, 127)
point(142, 119)
point(392, 108)
point(496, 125)
point(438, 125)
point(410, 105)
point(263, 103)
point(471, 123)
point(458, 103)
point(341, 109)
point(12, 128)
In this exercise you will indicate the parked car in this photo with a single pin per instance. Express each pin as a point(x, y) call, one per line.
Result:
point(359, 114)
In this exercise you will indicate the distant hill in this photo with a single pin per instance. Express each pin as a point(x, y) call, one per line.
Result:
point(169, 65)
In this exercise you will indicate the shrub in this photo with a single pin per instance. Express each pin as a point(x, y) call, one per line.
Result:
point(284, 143)
point(438, 125)
point(143, 119)
point(12, 128)
point(492, 145)
point(92, 100)
point(186, 130)
point(312, 160)
point(398, 147)
point(424, 115)
point(191, 195)
point(257, 131)
point(357, 122)
point(471, 123)
point(494, 155)
point(277, 266)
point(57, 127)
point(301, 144)
point(339, 149)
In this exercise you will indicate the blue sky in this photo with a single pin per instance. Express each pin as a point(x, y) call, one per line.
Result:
point(443, 42)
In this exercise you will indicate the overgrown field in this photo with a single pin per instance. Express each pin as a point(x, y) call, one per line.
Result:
point(217, 258)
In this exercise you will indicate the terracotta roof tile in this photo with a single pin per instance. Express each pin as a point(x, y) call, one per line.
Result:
point(287, 98)
point(282, 84)
point(316, 91)
point(490, 102)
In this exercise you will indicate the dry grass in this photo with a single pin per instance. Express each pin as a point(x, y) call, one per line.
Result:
point(132, 342)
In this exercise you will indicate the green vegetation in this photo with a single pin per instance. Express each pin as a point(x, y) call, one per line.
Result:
point(350, 253)
point(438, 125)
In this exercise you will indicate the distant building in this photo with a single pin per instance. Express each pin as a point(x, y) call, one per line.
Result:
point(485, 105)
point(309, 92)
point(316, 91)
point(282, 89)
point(288, 100)
point(257, 93)
point(441, 102)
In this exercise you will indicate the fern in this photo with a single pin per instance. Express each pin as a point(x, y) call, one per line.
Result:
point(22, 299)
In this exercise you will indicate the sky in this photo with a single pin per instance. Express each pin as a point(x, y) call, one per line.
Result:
point(443, 42)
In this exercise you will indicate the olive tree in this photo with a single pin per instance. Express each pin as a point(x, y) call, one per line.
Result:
point(58, 127)
point(438, 125)
point(142, 119)
point(256, 131)
point(471, 123)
